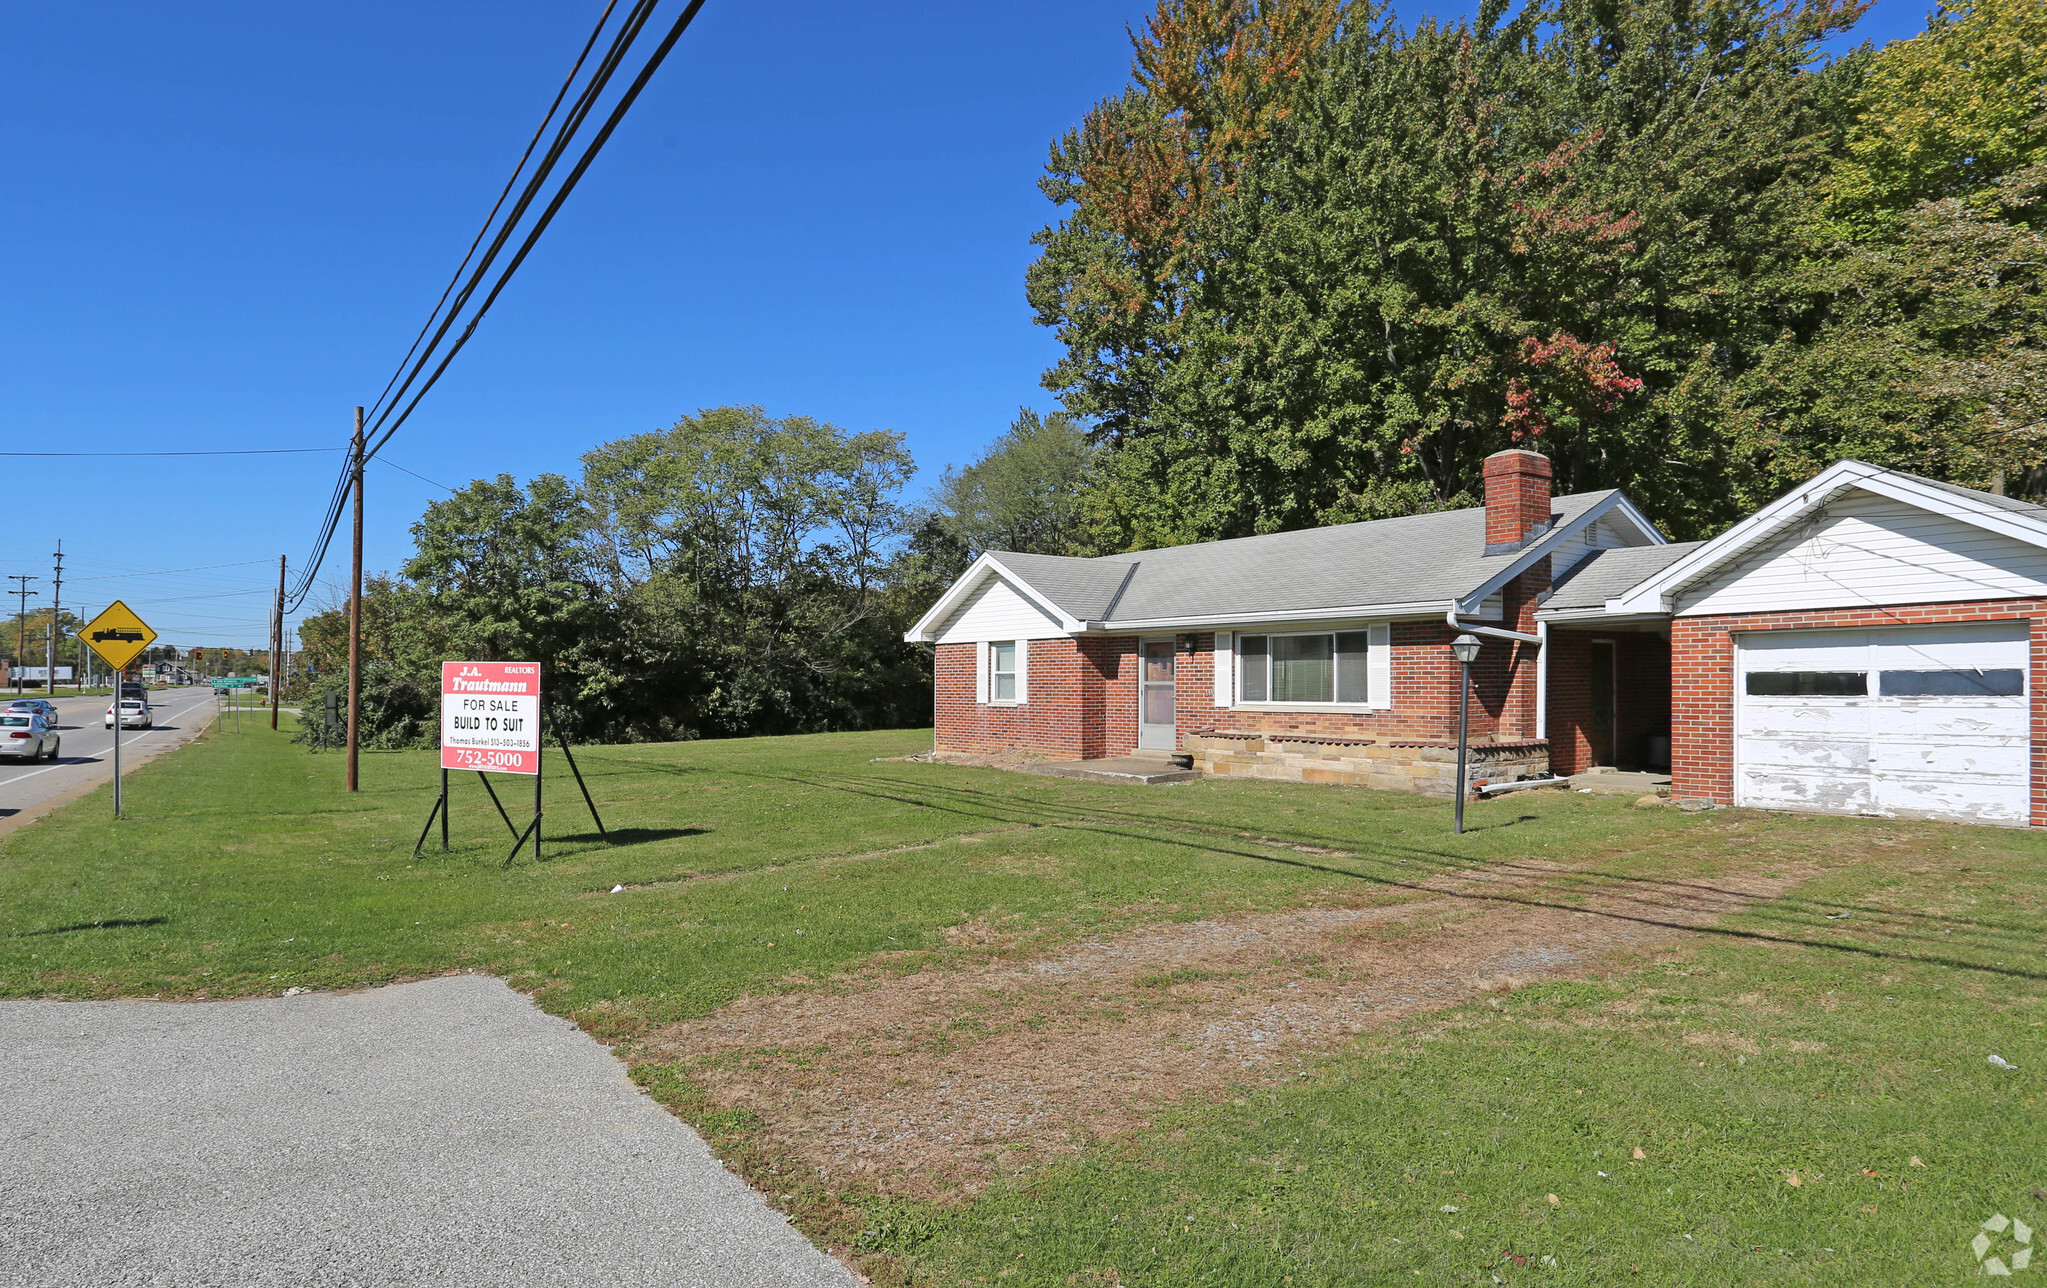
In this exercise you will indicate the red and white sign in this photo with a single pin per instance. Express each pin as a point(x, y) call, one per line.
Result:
point(490, 716)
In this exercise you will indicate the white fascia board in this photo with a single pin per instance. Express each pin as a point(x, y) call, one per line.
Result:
point(1598, 617)
point(1657, 593)
point(1361, 612)
point(926, 629)
point(1616, 504)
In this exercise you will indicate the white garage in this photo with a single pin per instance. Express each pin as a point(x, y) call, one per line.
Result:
point(1916, 721)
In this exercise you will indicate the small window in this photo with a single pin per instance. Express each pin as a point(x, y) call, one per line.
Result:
point(1808, 684)
point(1002, 671)
point(1953, 684)
point(13, 722)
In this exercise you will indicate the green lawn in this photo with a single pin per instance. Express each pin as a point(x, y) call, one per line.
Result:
point(1784, 1045)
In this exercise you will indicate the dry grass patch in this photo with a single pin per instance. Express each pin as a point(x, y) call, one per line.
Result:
point(944, 1078)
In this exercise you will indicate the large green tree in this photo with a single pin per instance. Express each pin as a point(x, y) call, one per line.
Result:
point(1327, 265)
point(1024, 493)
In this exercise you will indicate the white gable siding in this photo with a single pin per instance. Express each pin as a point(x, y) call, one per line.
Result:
point(998, 612)
point(1603, 535)
point(1868, 549)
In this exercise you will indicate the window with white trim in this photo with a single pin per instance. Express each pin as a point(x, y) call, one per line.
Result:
point(1309, 667)
point(1002, 671)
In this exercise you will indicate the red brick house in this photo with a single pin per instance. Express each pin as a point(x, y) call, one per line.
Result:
point(1852, 647)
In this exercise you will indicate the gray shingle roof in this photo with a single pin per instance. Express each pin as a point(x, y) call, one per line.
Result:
point(1987, 498)
point(1422, 558)
point(1605, 574)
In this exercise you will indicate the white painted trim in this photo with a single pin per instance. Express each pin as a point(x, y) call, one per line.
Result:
point(1658, 593)
point(1224, 663)
point(926, 629)
point(1023, 672)
point(1379, 665)
point(1472, 604)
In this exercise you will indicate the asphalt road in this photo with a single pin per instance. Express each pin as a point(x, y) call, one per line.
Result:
point(88, 746)
point(445, 1132)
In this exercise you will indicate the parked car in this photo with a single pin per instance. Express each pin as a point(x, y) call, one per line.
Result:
point(134, 714)
point(41, 706)
point(24, 736)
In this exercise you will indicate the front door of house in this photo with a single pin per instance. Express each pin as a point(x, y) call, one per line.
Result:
point(1155, 723)
point(1605, 747)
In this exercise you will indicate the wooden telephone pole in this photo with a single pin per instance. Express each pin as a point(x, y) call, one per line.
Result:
point(355, 610)
point(277, 646)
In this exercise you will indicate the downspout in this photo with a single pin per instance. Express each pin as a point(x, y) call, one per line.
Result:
point(932, 649)
point(1494, 632)
point(1542, 680)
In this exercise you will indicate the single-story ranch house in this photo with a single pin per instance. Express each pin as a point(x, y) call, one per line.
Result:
point(1873, 642)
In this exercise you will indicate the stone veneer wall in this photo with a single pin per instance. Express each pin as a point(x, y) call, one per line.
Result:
point(1426, 767)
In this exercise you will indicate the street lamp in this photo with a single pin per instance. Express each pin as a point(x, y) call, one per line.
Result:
point(1465, 649)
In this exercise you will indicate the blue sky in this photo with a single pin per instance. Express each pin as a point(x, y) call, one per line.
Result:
point(223, 223)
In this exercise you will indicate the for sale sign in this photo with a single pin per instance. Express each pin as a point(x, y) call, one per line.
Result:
point(490, 716)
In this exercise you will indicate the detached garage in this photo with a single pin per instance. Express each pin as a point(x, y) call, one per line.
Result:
point(1873, 643)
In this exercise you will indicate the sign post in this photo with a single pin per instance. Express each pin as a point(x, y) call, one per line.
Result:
point(490, 722)
point(119, 637)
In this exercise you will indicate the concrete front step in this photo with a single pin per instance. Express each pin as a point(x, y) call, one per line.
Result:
point(1142, 770)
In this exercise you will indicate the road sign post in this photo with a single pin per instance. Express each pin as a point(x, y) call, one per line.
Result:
point(119, 637)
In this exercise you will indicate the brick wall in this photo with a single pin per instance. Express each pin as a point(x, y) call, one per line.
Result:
point(1702, 682)
point(1641, 696)
point(1081, 694)
point(1080, 701)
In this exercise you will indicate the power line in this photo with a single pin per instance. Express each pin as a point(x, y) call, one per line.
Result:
point(421, 477)
point(600, 77)
point(447, 310)
point(510, 180)
point(165, 572)
point(245, 451)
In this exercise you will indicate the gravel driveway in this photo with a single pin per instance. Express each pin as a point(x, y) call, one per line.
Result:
point(444, 1132)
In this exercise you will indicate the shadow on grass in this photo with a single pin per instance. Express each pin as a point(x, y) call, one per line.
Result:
point(1124, 825)
point(112, 923)
point(631, 835)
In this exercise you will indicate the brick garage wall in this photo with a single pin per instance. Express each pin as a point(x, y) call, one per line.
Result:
point(1702, 682)
point(1641, 695)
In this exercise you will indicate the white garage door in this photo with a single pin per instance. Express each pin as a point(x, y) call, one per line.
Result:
point(1918, 721)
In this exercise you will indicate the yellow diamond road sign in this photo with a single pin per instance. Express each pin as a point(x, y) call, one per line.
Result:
point(117, 635)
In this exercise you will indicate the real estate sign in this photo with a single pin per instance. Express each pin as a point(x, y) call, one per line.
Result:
point(490, 716)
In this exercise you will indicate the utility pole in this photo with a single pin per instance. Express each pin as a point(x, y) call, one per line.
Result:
point(277, 646)
point(355, 609)
point(21, 634)
point(56, 604)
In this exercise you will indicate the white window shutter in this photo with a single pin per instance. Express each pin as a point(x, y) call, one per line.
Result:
point(1225, 667)
point(981, 649)
point(1023, 671)
point(1379, 665)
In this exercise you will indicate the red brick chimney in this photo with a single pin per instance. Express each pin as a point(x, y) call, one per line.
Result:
point(1516, 499)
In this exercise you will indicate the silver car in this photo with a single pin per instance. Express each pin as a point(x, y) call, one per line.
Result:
point(24, 736)
point(134, 714)
point(41, 706)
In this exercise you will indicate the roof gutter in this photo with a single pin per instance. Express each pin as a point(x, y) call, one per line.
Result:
point(1494, 631)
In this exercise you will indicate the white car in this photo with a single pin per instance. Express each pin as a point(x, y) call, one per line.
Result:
point(134, 714)
point(24, 736)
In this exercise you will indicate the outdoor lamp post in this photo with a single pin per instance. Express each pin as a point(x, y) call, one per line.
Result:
point(1465, 649)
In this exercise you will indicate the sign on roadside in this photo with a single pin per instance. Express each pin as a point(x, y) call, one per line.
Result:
point(490, 717)
point(117, 635)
